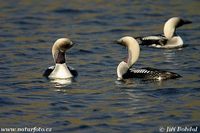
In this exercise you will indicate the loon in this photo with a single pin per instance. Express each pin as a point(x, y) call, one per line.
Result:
point(60, 70)
point(124, 70)
point(170, 39)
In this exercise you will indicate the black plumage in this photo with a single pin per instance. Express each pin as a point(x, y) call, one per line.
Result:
point(150, 74)
point(152, 40)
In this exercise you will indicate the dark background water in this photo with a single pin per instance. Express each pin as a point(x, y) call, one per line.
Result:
point(95, 102)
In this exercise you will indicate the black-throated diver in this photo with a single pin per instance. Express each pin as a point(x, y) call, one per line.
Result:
point(60, 70)
point(124, 70)
point(170, 39)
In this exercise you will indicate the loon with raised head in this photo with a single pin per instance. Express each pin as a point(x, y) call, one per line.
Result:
point(124, 70)
point(170, 39)
point(60, 70)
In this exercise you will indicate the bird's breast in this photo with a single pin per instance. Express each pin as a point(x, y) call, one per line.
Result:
point(60, 71)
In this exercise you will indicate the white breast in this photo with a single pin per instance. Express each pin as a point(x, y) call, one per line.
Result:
point(60, 71)
point(174, 42)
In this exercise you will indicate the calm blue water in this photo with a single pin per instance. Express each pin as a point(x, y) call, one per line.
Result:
point(95, 102)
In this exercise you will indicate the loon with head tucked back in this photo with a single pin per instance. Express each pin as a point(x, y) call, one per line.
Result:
point(60, 70)
point(170, 39)
point(124, 70)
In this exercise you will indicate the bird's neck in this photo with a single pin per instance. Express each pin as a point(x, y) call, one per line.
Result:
point(169, 30)
point(133, 54)
point(60, 59)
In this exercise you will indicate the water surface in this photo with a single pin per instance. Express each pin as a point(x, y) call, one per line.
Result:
point(95, 102)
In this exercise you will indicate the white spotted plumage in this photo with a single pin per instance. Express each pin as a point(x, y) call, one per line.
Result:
point(139, 71)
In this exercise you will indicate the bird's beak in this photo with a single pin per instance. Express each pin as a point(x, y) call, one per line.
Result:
point(187, 22)
point(115, 42)
point(183, 22)
point(74, 43)
point(118, 42)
